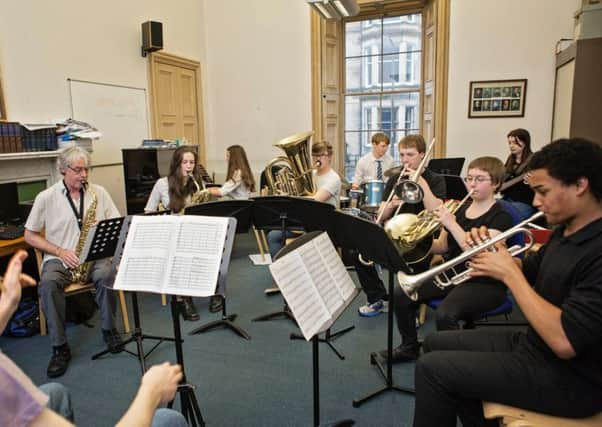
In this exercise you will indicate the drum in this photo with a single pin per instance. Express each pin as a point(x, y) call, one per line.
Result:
point(373, 195)
point(344, 202)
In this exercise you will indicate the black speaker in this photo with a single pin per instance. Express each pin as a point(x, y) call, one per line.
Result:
point(152, 37)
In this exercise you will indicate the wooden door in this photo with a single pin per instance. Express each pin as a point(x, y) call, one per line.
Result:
point(176, 99)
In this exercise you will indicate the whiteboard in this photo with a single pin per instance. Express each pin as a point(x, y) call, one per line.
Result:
point(120, 113)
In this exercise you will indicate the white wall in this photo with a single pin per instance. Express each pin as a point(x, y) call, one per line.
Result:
point(258, 81)
point(44, 43)
point(490, 40)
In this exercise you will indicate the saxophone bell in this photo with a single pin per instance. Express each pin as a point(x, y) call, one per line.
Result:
point(200, 195)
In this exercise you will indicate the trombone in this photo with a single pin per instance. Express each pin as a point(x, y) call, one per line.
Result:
point(408, 190)
point(411, 283)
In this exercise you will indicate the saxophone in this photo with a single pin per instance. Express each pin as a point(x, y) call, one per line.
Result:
point(80, 273)
point(201, 195)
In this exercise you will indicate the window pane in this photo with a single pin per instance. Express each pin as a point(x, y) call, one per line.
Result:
point(362, 74)
point(399, 106)
point(398, 32)
point(382, 56)
point(362, 113)
point(357, 143)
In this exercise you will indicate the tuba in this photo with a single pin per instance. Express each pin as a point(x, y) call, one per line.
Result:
point(444, 278)
point(80, 273)
point(200, 195)
point(292, 175)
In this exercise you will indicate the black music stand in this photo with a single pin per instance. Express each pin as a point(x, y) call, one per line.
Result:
point(275, 213)
point(241, 210)
point(188, 401)
point(448, 166)
point(315, 340)
point(189, 404)
point(110, 237)
point(372, 242)
point(317, 216)
point(455, 187)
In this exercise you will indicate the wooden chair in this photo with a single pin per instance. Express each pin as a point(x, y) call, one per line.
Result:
point(77, 288)
point(510, 416)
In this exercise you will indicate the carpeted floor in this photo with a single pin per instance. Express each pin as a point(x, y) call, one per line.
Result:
point(266, 381)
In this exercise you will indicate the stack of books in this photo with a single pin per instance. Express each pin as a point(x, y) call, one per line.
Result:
point(11, 140)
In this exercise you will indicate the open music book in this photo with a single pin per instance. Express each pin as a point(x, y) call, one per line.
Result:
point(172, 254)
point(315, 284)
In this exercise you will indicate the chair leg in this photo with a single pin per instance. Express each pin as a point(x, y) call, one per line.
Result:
point(42, 318)
point(264, 239)
point(422, 314)
point(259, 244)
point(124, 312)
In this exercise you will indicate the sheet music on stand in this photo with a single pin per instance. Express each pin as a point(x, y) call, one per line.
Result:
point(315, 284)
point(178, 255)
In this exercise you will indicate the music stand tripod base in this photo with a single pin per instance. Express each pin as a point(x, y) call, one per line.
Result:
point(137, 336)
point(226, 322)
point(189, 404)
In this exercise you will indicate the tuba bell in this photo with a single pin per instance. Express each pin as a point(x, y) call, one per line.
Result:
point(292, 175)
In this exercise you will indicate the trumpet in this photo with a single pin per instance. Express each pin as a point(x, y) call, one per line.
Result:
point(411, 283)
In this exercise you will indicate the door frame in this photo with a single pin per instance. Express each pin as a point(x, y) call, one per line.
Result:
point(165, 58)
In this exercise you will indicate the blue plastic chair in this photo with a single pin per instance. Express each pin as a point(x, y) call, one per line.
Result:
point(505, 308)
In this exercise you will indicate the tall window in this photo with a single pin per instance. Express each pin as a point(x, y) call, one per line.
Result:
point(382, 82)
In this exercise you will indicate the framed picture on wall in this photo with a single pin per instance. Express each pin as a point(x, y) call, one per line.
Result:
point(497, 98)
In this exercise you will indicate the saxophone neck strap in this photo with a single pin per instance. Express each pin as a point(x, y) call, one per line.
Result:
point(78, 215)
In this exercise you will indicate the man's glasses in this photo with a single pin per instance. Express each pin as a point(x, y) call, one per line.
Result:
point(78, 170)
point(477, 179)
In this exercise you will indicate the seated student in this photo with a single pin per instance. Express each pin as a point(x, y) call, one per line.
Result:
point(514, 189)
point(240, 182)
point(176, 191)
point(57, 217)
point(373, 164)
point(22, 404)
point(467, 300)
point(412, 149)
point(327, 182)
point(554, 366)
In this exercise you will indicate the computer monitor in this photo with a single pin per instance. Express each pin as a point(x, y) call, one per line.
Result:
point(449, 166)
point(9, 205)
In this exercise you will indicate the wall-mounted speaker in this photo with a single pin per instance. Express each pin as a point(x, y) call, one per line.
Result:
point(152, 37)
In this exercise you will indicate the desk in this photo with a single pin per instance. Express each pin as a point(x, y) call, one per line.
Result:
point(9, 247)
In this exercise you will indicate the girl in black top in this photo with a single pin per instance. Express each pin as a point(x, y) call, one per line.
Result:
point(514, 189)
point(469, 300)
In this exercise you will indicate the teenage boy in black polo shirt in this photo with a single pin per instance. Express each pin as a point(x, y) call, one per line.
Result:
point(555, 366)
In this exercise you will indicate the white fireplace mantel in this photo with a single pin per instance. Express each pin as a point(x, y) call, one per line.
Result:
point(29, 166)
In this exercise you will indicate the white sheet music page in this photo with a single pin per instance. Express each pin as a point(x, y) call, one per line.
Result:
point(177, 255)
point(300, 293)
point(336, 268)
point(194, 265)
point(320, 274)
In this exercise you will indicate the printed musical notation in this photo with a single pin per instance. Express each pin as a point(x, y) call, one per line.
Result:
point(177, 255)
point(315, 284)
